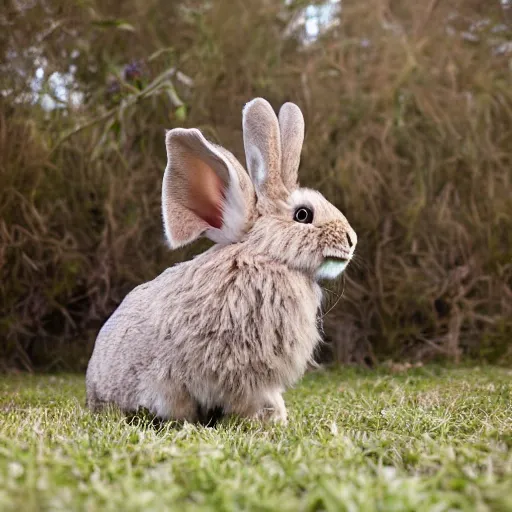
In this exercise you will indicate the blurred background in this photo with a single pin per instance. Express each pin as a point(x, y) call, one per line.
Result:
point(408, 109)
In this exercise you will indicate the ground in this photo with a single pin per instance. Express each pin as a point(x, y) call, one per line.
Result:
point(430, 438)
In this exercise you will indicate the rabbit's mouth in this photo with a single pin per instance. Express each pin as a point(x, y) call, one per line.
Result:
point(332, 267)
point(336, 259)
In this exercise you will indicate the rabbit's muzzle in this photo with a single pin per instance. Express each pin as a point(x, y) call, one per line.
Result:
point(338, 240)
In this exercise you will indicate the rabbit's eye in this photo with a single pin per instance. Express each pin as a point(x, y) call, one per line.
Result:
point(303, 215)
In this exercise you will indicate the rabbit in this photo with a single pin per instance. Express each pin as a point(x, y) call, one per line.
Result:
point(234, 327)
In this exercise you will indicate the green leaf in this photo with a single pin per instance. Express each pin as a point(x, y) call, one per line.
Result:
point(181, 113)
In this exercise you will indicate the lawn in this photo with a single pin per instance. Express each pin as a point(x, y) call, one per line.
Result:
point(430, 438)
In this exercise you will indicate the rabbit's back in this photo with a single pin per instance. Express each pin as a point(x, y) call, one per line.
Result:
point(126, 347)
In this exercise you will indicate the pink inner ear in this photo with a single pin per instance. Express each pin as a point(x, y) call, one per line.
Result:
point(205, 193)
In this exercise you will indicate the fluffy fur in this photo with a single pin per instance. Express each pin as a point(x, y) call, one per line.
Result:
point(234, 327)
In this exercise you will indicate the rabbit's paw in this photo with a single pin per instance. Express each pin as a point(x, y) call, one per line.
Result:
point(273, 411)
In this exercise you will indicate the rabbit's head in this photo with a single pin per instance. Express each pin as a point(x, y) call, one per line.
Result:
point(207, 192)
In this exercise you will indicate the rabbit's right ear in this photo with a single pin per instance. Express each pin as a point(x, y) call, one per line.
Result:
point(205, 190)
point(291, 124)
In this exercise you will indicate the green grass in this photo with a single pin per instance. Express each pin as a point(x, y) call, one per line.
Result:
point(428, 439)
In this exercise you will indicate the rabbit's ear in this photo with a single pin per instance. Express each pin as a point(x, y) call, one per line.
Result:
point(291, 124)
point(262, 142)
point(205, 191)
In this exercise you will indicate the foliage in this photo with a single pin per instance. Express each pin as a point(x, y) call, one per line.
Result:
point(408, 110)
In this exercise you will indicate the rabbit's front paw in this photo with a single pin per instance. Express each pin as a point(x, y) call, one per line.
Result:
point(274, 410)
point(271, 415)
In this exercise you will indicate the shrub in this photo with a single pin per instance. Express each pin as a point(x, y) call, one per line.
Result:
point(408, 117)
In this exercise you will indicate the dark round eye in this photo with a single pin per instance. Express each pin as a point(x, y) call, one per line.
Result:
point(303, 215)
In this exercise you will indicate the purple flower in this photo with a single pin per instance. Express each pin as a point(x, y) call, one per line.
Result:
point(133, 71)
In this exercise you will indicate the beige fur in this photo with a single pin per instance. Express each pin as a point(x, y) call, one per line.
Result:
point(237, 325)
point(291, 125)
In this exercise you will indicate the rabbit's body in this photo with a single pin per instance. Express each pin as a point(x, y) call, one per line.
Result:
point(254, 331)
point(234, 327)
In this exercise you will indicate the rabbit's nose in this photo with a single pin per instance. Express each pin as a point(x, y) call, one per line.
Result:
point(351, 238)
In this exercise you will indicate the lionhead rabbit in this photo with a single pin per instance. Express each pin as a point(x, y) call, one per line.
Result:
point(235, 326)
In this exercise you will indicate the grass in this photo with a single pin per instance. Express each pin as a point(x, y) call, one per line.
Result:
point(430, 438)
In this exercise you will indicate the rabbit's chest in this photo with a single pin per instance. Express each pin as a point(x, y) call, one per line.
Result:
point(283, 330)
point(261, 326)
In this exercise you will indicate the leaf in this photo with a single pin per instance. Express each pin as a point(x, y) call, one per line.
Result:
point(181, 113)
point(162, 51)
point(113, 23)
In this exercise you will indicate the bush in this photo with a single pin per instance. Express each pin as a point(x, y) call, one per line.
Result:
point(408, 117)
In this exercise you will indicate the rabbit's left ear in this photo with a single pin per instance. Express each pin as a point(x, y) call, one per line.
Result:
point(205, 191)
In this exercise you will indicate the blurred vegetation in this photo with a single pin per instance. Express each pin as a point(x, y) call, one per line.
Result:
point(408, 109)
